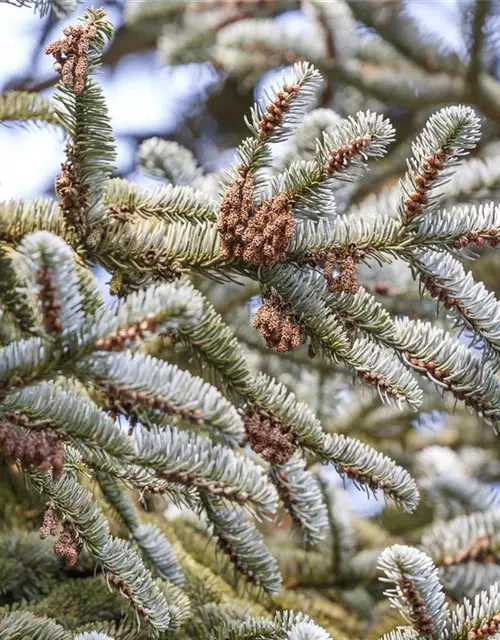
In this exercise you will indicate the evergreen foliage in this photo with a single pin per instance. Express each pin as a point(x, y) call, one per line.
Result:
point(165, 471)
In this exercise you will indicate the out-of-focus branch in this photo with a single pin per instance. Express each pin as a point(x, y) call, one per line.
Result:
point(390, 21)
point(481, 10)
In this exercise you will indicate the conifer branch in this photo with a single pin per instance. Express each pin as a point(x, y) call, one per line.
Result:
point(18, 219)
point(15, 305)
point(275, 116)
point(448, 136)
point(340, 155)
point(152, 543)
point(23, 624)
point(171, 203)
point(471, 305)
point(82, 112)
point(450, 366)
point(341, 537)
point(461, 495)
point(59, 8)
point(286, 625)
point(71, 416)
point(123, 567)
point(479, 618)
point(300, 494)
point(244, 545)
point(169, 161)
point(417, 592)
point(155, 392)
point(47, 269)
point(460, 227)
point(24, 107)
point(467, 538)
point(192, 460)
point(401, 31)
point(371, 470)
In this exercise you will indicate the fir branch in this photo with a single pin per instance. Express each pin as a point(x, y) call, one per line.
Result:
point(25, 107)
point(159, 552)
point(47, 268)
point(366, 315)
point(244, 545)
point(275, 116)
point(71, 416)
point(377, 234)
point(448, 136)
point(417, 592)
point(192, 460)
point(171, 203)
point(15, 305)
point(400, 30)
point(168, 160)
point(82, 112)
point(402, 633)
point(276, 400)
point(22, 361)
point(341, 537)
point(123, 567)
point(480, 618)
point(323, 329)
point(460, 227)
point(379, 368)
point(470, 304)
point(286, 625)
point(25, 625)
point(59, 8)
point(467, 538)
point(461, 495)
point(153, 544)
point(301, 496)
point(28, 566)
point(160, 251)
point(224, 359)
point(342, 151)
point(221, 356)
point(18, 219)
point(153, 392)
point(370, 469)
point(339, 155)
point(476, 43)
point(450, 365)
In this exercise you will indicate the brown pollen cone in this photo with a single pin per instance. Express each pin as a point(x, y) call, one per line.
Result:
point(71, 55)
point(71, 191)
point(35, 450)
point(269, 437)
point(234, 213)
point(68, 545)
point(269, 231)
point(340, 268)
point(277, 327)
